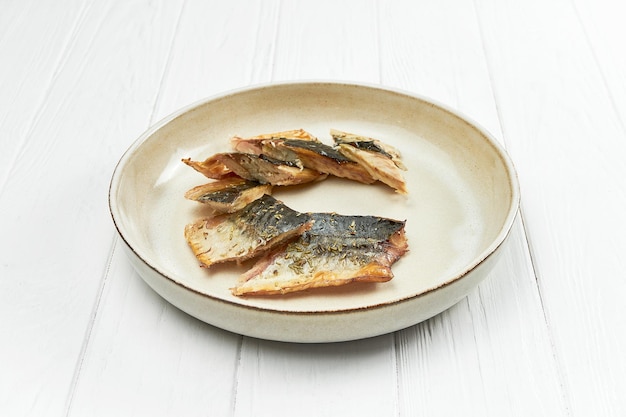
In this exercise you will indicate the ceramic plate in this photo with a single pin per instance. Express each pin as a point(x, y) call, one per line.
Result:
point(463, 197)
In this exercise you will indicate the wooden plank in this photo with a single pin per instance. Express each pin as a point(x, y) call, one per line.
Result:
point(285, 379)
point(560, 123)
point(231, 47)
point(490, 352)
point(178, 365)
point(146, 357)
point(34, 39)
point(481, 356)
point(603, 29)
point(327, 39)
point(96, 94)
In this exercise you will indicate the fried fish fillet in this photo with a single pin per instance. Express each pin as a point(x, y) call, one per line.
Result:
point(267, 170)
point(383, 162)
point(259, 168)
point(336, 250)
point(323, 158)
point(229, 194)
point(304, 150)
point(241, 235)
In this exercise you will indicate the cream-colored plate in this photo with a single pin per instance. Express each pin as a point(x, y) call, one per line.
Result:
point(463, 197)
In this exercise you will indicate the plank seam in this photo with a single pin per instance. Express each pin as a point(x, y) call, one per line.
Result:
point(168, 64)
point(379, 41)
point(596, 61)
point(276, 38)
point(90, 326)
point(65, 52)
point(233, 400)
point(528, 246)
point(553, 348)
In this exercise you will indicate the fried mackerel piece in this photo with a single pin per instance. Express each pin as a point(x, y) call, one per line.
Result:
point(304, 150)
point(241, 235)
point(321, 157)
point(383, 162)
point(229, 194)
point(259, 168)
point(337, 250)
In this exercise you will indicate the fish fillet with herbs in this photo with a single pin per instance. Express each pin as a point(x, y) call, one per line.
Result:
point(262, 224)
point(336, 250)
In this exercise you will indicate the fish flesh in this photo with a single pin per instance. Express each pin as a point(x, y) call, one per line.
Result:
point(260, 168)
point(259, 226)
point(229, 194)
point(383, 162)
point(336, 250)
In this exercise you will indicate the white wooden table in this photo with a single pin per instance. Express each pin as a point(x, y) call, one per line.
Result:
point(82, 335)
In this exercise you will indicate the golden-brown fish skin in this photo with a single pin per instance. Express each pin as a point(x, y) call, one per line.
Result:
point(259, 226)
point(337, 250)
point(229, 194)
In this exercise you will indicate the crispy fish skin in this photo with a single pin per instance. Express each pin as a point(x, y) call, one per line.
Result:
point(229, 194)
point(241, 235)
point(324, 158)
point(337, 250)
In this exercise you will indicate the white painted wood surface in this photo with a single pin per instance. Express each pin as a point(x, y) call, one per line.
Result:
point(83, 335)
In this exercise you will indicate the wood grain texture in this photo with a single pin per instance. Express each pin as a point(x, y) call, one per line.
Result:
point(153, 360)
point(218, 47)
point(603, 30)
point(328, 40)
point(177, 365)
point(484, 352)
point(562, 129)
point(60, 236)
point(36, 37)
point(317, 380)
point(491, 353)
